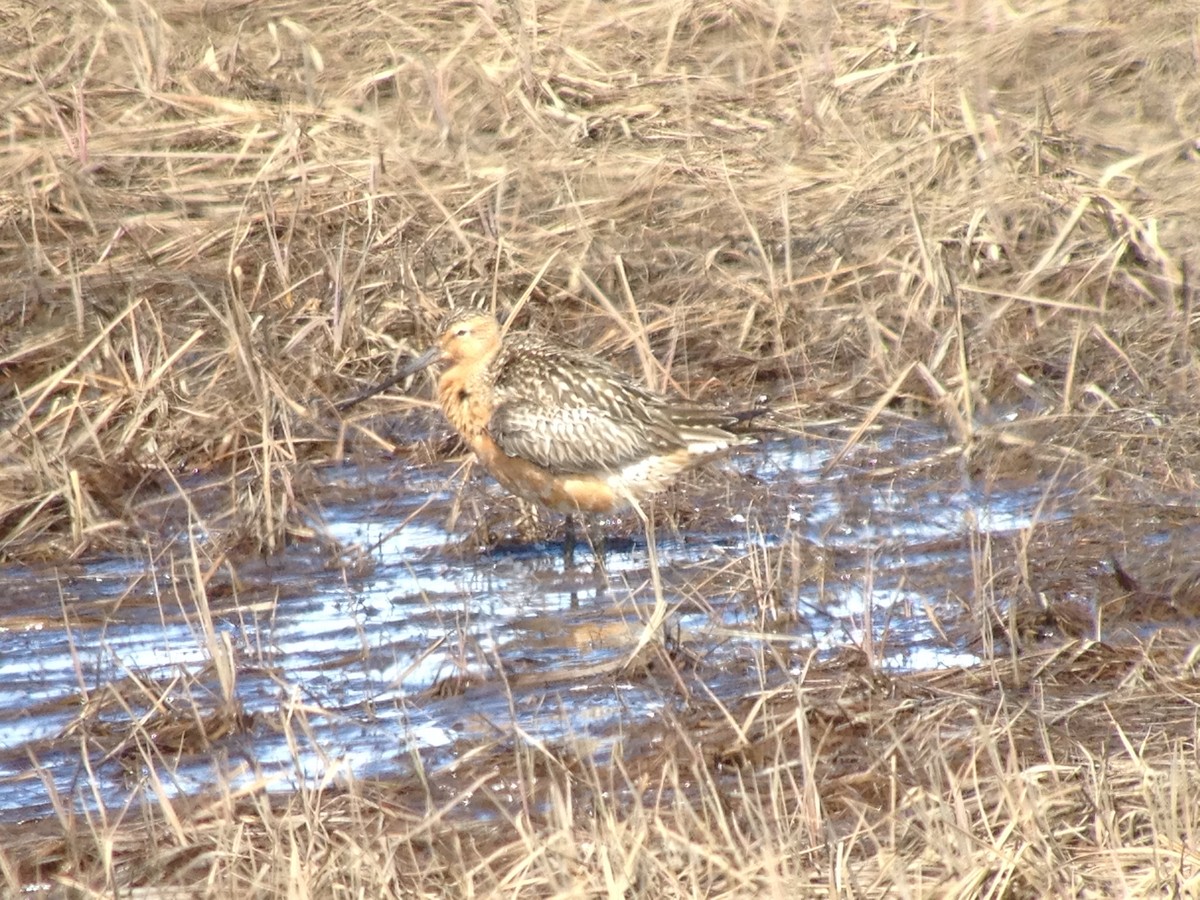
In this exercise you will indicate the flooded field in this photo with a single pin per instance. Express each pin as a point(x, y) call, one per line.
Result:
point(935, 636)
point(396, 636)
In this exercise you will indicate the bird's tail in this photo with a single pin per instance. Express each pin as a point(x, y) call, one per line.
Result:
point(708, 430)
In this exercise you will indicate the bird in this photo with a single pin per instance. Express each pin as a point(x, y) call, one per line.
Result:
point(559, 426)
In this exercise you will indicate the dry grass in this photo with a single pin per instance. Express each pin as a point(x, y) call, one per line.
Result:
point(216, 217)
point(1071, 772)
point(212, 217)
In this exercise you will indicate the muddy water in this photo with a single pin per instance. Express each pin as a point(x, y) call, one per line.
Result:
point(397, 639)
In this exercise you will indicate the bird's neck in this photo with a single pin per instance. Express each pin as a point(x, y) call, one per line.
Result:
point(465, 395)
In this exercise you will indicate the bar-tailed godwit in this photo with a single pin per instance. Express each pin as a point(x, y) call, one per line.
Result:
point(556, 425)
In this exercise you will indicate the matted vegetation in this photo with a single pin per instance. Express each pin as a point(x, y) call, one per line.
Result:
point(1070, 772)
point(216, 218)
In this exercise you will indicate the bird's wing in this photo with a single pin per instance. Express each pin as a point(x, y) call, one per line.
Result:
point(569, 412)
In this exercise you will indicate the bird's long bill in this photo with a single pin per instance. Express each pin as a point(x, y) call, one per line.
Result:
point(423, 361)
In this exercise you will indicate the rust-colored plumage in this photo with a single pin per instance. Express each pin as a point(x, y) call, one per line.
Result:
point(556, 425)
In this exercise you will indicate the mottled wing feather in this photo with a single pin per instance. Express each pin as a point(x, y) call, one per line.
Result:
point(569, 412)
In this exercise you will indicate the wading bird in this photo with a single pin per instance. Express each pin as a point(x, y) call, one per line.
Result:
point(556, 425)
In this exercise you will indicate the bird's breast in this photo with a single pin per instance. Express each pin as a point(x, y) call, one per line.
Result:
point(466, 400)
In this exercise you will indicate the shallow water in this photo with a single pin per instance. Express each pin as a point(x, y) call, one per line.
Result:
point(338, 664)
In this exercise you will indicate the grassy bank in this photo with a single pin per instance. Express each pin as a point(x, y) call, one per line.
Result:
point(216, 219)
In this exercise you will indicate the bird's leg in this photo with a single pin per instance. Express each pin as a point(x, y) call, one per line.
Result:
point(595, 536)
point(569, 543)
